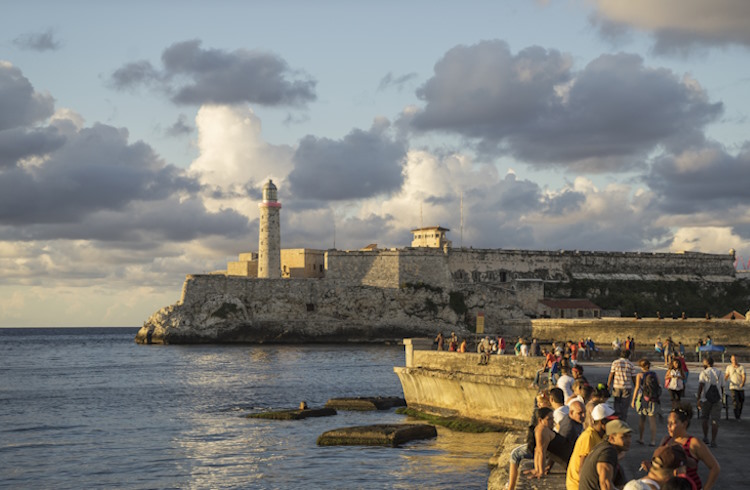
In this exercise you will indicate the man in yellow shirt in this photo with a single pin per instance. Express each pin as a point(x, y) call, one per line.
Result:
point(586, 442)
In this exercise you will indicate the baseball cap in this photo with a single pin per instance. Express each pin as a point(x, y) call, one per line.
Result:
point(602, 411)
point(617, 426)
point(671, 457)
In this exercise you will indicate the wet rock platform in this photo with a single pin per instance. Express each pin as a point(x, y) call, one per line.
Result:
point(295, 414)
point(377, 435)
point(366, 403)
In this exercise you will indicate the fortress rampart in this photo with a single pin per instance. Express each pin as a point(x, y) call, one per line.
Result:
point(446, 267)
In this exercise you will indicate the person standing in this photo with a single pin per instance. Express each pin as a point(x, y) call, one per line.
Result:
point(620, 382)
point(735, 374)
point(646, 400)
point(709, 398)
point(440, 341)
point(601, 468)
point(675, 381)
point(696, 451)
point(589, 438)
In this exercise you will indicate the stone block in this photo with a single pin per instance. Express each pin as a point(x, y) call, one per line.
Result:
point(377, 435)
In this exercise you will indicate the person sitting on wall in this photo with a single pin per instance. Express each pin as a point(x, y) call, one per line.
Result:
point(659, 347)
point(462, 347)
point(549, 362)
point(440, 341)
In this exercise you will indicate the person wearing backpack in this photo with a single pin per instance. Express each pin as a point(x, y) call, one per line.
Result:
point(646, 400)
point(710, 393)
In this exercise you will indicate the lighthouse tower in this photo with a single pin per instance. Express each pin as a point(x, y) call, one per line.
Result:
point(269, 243)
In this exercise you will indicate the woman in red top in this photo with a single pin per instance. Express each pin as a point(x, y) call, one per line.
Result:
point(696, 450)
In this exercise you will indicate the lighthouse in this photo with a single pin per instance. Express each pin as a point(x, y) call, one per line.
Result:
point(269, 242)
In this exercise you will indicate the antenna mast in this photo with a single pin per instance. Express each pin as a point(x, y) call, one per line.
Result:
point(462, 219)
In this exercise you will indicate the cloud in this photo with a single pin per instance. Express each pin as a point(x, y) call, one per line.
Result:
point(195, 76)
point(180, 127)
point(706, 179)
point(390, 81)
point(535, 107)
point(678, 25)
point(20, 104)
point(44, 41)
point(361, 165)
point(234, 158)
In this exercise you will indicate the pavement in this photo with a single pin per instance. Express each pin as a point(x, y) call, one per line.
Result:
point(733, 438)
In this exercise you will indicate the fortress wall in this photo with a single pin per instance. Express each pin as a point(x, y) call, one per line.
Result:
point(425, 265)
point(378, 268)
point(479, 265)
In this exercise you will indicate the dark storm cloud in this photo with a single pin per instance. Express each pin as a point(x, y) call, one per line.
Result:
point(44, 41)
point(390, 81)
point(19, 143)
point(140, 225)
point(606, 117)
point(363, 164)
point(20, 105)
point(181, 127)
point(195, 76)
point(704, 179)
point(95, 170)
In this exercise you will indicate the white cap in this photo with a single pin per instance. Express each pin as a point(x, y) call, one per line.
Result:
point(602, 411)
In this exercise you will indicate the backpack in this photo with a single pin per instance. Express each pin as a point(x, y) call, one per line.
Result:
point(712, 394)
point(651, 388)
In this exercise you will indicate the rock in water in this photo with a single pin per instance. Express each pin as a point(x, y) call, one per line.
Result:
point(377, 435)
point(366, 403)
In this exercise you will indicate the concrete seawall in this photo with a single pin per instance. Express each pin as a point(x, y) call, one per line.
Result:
point(455, 384)
point(603, 331)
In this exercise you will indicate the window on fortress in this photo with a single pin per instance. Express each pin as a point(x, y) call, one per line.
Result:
point(321, 267)
point(310, 307)
point(580, 313)
point(596, 313)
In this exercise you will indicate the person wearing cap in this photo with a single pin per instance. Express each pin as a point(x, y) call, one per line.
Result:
point(588, 439)
point(601, 468)
point(667, 461)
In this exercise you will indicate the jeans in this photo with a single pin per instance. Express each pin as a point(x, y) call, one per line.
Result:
point(622, 401)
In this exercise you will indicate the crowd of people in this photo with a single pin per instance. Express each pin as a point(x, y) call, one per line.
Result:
point(583, 426)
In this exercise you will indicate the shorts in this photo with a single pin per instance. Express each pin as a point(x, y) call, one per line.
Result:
point(519, 454)
point(711, 411)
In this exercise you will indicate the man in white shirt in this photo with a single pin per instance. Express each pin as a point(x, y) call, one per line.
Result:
point(565, 383)
point(710, 409)
point(735, 374)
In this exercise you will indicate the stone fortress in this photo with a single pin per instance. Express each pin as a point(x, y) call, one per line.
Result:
point(375, 294)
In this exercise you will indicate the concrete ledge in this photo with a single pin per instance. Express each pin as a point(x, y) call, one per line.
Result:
point(296, 414)
point(377, 435)
point(366, 403)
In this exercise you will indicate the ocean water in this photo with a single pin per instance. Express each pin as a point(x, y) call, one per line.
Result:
point(88, 408)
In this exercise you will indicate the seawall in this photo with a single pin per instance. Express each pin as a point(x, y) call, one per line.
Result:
point(455, 384)
point(646, 331)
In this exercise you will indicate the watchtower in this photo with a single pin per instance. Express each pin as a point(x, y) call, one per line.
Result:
point(269, 243)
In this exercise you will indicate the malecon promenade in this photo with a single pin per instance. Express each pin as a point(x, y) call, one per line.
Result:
point(449, 383)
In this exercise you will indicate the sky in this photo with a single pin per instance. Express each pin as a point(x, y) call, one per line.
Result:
point(135, 137)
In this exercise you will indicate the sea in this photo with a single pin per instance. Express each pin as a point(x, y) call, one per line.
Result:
point(88, 408)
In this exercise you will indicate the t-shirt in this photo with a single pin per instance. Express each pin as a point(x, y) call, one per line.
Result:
point(735, 377)
point(565, 383)
point(604, 452)
point(560, 413)
point(588, 439)
point(709, 376)
point(570, 429)
point(642, 484)
point(624, 373)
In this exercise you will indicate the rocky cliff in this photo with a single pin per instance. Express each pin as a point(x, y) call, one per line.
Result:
point(225, 309)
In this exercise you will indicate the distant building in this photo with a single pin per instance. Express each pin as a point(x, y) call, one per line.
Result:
point(431, 237)
point(246, 266)
point(302, 263)
point(733, 315)
point(568, 308)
